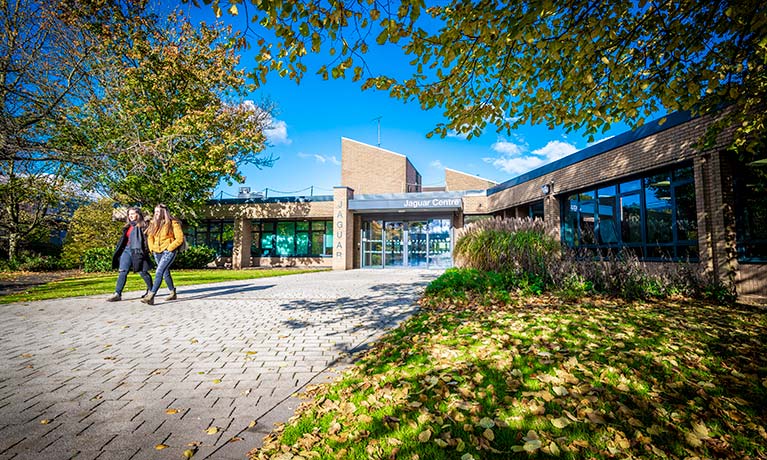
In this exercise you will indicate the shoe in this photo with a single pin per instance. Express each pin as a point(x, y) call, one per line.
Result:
point(148, 299)
point(146, 293)
point(115, 298)
point(172, 295)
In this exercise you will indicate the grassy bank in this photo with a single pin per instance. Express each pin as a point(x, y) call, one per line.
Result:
point(104, 283)
point(541, 377)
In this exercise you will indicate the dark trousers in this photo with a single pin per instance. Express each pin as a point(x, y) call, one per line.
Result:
point(125, 265)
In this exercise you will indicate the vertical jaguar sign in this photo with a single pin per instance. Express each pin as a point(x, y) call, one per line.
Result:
point(341, 223)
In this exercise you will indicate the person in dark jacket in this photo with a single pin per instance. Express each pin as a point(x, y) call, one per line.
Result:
point(132, 252)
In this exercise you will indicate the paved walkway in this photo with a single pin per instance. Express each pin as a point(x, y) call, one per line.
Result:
point(87, 379)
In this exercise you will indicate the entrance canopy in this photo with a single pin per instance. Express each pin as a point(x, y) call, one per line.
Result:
point(425, 201)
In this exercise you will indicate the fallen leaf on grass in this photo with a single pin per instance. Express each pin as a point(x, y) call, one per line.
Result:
point(560, 422)
point(424, 436)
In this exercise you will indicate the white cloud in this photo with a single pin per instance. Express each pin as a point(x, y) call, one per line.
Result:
point(277, 132)
point(517, 159)
point(436, 164)
point(321, 158)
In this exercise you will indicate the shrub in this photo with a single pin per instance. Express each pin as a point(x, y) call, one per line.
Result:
point(195, 257)
point(32, 263)
point(519, 246)
point(91, 226)
point(98, 260)
point(469, 284)
point(40, 264)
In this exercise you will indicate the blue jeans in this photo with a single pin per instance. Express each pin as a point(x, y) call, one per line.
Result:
point(125, 266)
point(164, 260)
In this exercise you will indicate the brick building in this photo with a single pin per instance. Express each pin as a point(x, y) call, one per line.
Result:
point(649, 191)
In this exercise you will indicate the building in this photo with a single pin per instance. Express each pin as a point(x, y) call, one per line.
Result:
point(649, 191)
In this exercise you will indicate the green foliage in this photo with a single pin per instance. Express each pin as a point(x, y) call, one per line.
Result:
point(170, 119)
point(91, 226)
point(32, 263)
point(469, 284)
point(97, 260)
point(509, 64)
point(195, 257)
point(507, 245)
point(545, 379)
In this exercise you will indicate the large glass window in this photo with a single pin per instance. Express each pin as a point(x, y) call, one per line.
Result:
point(216, 234)
point(653, 217)
point(751, 212)
point(286, 238)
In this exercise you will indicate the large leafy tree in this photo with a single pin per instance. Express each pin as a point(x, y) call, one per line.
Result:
point(43, 72)
point(169, 118)
point(580, 64)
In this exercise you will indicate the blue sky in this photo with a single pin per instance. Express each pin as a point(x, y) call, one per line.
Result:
point(312, 118)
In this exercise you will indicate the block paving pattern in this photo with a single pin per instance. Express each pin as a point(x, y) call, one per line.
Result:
point(83, 378)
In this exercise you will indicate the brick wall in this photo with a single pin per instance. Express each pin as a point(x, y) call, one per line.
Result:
point(664, 148)
point(370, 170)
point(311, 209)
point(457, 180)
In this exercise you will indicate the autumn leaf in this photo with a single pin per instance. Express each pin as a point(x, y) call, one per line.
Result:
point(216, 381)
point(161, 446)
point(189, 453)
point(45, 421)
point(486, 422)
point(171, 411)
point(560, 422)
point(212, 430)
point(424, 436)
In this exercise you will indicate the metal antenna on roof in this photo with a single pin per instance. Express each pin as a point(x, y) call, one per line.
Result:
point(378, 119)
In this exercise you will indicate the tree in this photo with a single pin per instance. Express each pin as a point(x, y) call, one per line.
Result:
point(582, 64)
point(91, 226)
point(43, 71)
point(34, 195)
point(170, 119)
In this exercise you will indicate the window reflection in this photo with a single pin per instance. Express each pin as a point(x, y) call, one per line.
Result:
point(653, 217)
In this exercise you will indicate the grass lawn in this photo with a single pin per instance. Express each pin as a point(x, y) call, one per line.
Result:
point(540, 377)
point(104, 283)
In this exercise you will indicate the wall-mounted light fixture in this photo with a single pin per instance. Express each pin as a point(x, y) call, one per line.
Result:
point(546, 189)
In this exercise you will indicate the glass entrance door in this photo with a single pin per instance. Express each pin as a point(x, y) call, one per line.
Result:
point(440, 253)
point(372, 243)
point(416, 244)
point(394, 244)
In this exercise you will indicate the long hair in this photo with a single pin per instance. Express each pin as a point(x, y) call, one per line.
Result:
point(160, 219)
point(140, 221)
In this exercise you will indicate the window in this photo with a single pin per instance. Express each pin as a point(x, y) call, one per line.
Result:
point(216, 234)
point(288, 238)
point(654, 217)
point(750, 185)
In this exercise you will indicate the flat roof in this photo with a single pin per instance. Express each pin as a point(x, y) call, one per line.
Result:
point(275, 199)
point(648, 129)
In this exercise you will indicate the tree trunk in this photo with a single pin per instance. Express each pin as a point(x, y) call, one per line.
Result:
point(13, 245)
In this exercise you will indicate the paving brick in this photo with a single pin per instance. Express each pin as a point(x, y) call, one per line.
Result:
point(105, 374)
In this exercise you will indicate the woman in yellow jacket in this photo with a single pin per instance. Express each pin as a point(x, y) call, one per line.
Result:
point(165, 236)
